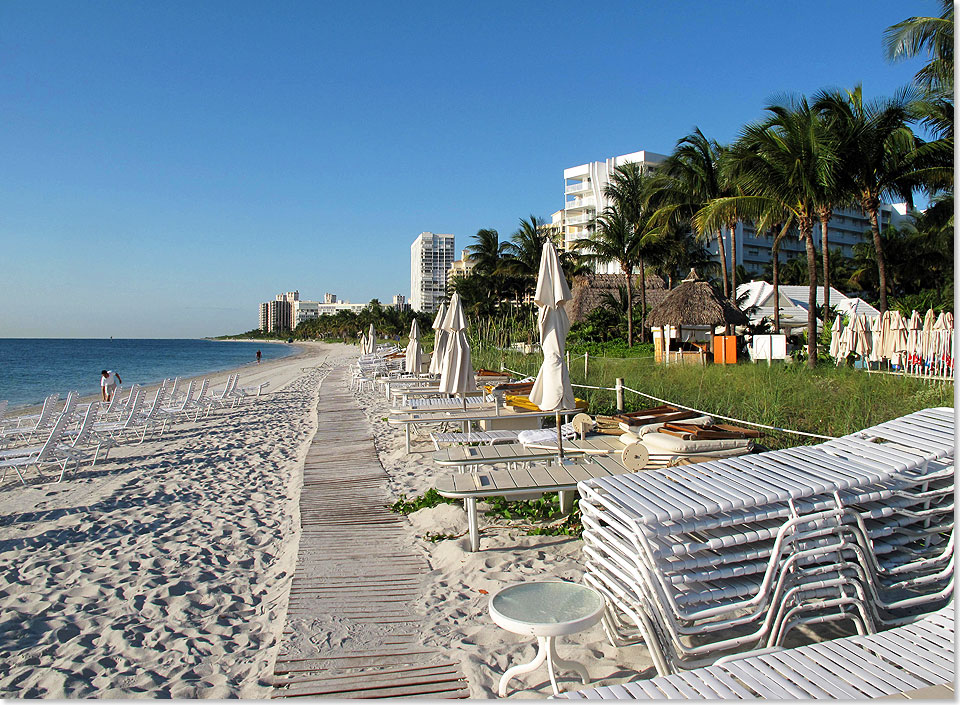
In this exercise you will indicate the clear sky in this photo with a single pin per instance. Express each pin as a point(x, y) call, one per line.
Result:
point(166, 166)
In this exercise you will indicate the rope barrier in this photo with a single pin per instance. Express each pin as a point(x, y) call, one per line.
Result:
point(729, 418)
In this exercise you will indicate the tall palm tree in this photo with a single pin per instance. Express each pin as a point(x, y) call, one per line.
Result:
point(522, 253)
point(687, 181)
point(486, 251)
point(878, 152)
point(932, 35)
point(782, 165)
point(630, 189)
point(614, 239)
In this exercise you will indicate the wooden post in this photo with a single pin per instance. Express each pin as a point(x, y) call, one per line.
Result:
point(619, 386)
point(586, 365)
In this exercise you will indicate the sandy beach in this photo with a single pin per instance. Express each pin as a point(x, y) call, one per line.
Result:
point(162, 572)
point(165, 571)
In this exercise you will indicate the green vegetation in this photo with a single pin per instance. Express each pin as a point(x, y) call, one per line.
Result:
point(825, 400)
point(431, 498)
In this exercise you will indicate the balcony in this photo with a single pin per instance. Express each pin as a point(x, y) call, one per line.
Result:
point(578, 187)
point(580, 204)
point(579, 219)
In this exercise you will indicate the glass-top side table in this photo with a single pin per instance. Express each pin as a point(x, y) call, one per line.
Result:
point(546, 610)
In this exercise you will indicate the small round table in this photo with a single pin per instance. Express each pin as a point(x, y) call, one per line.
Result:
point(546, 609)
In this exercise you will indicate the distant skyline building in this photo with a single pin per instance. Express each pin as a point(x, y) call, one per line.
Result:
point(400, 303)
point(431, 256)
point(276, 315)
point(461, 267)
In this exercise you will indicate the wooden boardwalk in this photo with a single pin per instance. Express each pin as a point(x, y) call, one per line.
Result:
point(355, 576)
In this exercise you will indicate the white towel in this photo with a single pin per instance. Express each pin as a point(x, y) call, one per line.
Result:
point(545, 435)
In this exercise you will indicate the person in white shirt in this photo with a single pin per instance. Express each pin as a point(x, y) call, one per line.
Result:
point(109, 380)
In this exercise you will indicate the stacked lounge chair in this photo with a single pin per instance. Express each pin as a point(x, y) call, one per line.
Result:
point(707, 560)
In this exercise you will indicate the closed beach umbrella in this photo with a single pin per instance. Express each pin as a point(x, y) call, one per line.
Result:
point(898, 337)
point(552, 391)
point(552, 388)
point(876, 338)
point(914, 343)
point(363, 344)
point(836, 336)
point(942, 333)
point(457, 376)
point(439, 340)
point(371, 340)
point(926, 336)
point(861, 344)
point(413, 349)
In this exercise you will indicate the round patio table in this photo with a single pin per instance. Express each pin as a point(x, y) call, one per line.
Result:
point(546, 610)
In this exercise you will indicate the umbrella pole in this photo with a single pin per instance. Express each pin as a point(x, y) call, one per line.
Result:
point(559, 438)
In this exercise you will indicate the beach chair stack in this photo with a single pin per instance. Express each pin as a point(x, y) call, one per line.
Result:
point(707, 560)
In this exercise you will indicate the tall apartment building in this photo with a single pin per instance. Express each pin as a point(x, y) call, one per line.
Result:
point(584, 199)
point(431, 255)
point(275, 316)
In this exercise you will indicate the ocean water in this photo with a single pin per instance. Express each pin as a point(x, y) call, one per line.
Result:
point(32, 368)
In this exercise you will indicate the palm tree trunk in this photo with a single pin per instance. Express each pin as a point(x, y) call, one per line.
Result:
point(733, 262)
point(775, 251)
point(626, 270)
point(825, 246)
point(723, 262)
point(643, 302)
point(878, 246)
point(807, 231)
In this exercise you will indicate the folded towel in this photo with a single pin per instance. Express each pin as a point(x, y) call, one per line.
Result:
point(545, 435)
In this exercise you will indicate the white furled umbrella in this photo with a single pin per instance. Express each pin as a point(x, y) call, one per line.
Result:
point(914, 342)
point(927, 337)
point(439, 341)
point(861, 345)
point(898, 338)
point(413, 350)
point(942, 334)
point(371, 340)
point(836, 338)
point(876, 338)
point(457, 376)
point(363, 344)
point(551, 390)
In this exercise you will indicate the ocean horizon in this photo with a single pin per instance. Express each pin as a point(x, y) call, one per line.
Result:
point(35, 367)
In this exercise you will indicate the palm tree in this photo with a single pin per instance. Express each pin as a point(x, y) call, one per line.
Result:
point(879, 153)
point(486, 252)
point(630, 189)
point(687, 181)
point(782, 166)
point(614, 239)
point(933, 35)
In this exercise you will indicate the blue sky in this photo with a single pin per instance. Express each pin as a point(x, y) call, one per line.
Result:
point(167, 166)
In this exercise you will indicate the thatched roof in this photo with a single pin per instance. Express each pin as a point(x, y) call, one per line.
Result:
point(695, 303)
point(587, 292)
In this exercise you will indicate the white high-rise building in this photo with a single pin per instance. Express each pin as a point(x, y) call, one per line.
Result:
point(584, 199)
point(431, 255)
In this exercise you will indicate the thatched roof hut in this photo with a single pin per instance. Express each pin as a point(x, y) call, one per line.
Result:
point(588, 292)
point(695, 303)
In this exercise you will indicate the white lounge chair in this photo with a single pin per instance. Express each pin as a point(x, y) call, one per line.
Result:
point(909, 659)
point(43, 456)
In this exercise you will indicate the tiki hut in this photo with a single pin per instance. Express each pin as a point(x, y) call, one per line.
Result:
point(694, 304)
point(589, 292)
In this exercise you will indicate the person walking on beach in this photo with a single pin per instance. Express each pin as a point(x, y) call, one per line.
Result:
point(109, 380)
point(258, 357)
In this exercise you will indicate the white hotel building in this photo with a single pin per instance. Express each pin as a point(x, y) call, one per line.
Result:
point(583, 200)
point(431, 255)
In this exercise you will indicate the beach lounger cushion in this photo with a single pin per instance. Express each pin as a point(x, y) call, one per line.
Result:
point(663, 443)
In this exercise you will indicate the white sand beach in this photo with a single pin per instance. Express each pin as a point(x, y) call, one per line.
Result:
point(162, 572)
point(165, 571)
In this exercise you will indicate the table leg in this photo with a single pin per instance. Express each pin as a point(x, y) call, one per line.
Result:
point(566, 501)
point(472, 523)
point(406, 433)
point(542, 652)
point(554, 660)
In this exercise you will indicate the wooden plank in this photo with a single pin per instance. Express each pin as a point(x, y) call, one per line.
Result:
point(352, 566)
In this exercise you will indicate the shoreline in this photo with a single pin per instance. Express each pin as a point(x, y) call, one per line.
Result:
point(216, 377)
point(164, 571)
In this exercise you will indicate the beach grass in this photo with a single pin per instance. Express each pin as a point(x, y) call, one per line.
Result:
point(826, 400)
